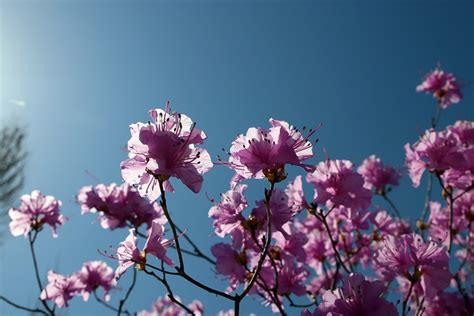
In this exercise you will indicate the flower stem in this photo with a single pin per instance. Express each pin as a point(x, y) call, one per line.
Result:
point(122, 301)
point(173, 226)
point(263, 255)
point(31, 310)
point(32, 240)
point(322, 218)
point(392, 205)
point(405, 301)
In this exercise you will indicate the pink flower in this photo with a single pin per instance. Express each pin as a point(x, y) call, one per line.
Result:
point(447, 304)
point(230, 263)
point(281, 208)
point(163, 306)
point(295, 193)
point(155, 244)
point(377, 175)
point(435, 151)
point(263, 153)
point(443, 86)
point(386, 225)
point(357, 297)
point(96, 274)
point(162, 149)
point(119, 206)
point(291, 245)
point(129, 255)
point(424, 264)
point(227, 214)
point(35, 210)
point(336, 183)
point(61, 289)
point(291, 279)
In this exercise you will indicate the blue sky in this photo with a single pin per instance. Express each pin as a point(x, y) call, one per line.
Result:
point(87, 69)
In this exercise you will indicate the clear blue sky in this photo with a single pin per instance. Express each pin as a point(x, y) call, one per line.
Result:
point(87, 69)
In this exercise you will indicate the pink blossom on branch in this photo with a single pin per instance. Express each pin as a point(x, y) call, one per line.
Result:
point(337, 184)
point(443, 86)
point(227, 214)
point(94, 275)
point(230, 263)
point(119, 206)
point(264, 152)
point(61, 289)
point(129, 255)
point(436, 152)
point(164, 148)
point(377, 175)
point(357, 297)
point(34, 212)
point(423, 264)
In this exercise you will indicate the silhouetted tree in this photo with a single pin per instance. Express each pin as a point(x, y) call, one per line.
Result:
point(12, 164)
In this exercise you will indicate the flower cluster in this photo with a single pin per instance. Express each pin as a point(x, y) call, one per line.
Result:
point(444, 87)
point(448, 153)
point(164, 148)
point(378, 176)
point(119, 206)
point(264, 152)
point(321, 242)
point(128, 253)
point(34, 212)
point(92, 276)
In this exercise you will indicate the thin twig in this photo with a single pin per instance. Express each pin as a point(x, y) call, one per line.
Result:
point(426, 206)
point(389, 201)
point(164, 206)
point(132, 285)
point(31, 310)
point(32, 240)
point(107, 305)
point(405, 301)
point(322, 218)
point(170, 292)
point(197, 251)
point(293, 304)
point(263, 255)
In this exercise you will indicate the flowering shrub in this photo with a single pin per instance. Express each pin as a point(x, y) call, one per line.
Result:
point(333, 252)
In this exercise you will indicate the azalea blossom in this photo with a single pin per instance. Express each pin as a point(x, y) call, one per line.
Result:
point(119, 206)
point(377, 175)
point(61, 289)
point(357, 297)
point(281, 208)
point(128, 253)
point(337, 184)
point(230, 263)
point(94, 275)
point(435, 152)
point(413, 260)
point(264, 152)
point(34, 212)
point(227, 214)
point(444, 87)
point(164, 148)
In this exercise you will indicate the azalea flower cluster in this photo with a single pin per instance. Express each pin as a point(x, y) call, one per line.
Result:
point(94, 275)
point(327, 241)
point(119, 206)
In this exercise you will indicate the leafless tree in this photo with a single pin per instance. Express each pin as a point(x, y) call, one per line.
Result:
point(12, 165)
